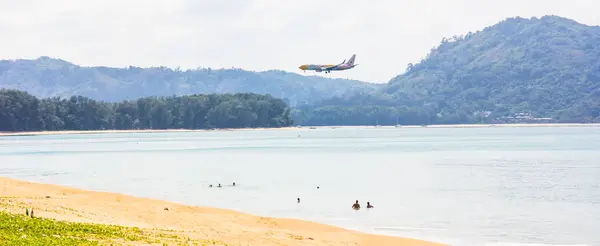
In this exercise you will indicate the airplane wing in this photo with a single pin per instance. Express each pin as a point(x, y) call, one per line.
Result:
point(332, 67)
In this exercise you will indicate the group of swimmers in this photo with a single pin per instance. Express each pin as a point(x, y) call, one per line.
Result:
point(220, 185)
point(356, 206)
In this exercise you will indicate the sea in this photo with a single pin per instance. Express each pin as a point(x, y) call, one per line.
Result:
point(489, 186)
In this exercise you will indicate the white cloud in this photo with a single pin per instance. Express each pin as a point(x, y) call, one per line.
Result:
point(255, 34)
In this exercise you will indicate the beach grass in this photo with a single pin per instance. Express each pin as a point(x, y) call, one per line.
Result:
point(19, 229)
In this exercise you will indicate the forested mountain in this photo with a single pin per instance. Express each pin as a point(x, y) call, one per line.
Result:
point(48, 77)
point(541, 67)
point(21, 111)
point(538, 69)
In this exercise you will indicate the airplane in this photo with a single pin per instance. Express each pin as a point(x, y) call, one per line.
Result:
point(330, 67)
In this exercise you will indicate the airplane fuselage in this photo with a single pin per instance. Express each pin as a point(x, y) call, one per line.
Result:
point(315, 67)
point(319, 68)
point(327, 68)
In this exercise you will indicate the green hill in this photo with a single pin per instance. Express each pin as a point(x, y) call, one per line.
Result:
point(49, 77)
point(545, 67)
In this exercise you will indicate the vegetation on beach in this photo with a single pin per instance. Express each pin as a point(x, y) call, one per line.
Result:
point(19, 229)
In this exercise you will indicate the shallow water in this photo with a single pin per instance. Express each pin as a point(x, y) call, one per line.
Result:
point(477, 186)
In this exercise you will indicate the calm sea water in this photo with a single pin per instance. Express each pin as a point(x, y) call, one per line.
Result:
point(479, 186)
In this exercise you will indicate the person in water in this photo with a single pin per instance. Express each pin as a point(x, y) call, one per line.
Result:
point(233, 183)
point(210, 185)
point(356, 205)
point(369, 205)
point(219, 186)
point(298, 199)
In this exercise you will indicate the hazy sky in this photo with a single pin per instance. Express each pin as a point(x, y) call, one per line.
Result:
point(256, 35)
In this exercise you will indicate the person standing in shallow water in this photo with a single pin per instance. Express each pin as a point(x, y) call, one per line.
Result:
point(356, 205)
point(298, 199)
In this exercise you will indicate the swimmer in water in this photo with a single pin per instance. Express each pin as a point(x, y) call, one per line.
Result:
point(369, 205)
point(210, 185)
point(356, 205)
point(233, 183)
point(298, 199)
point(219, 186)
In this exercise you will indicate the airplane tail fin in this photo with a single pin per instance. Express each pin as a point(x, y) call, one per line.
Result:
point(351, 60)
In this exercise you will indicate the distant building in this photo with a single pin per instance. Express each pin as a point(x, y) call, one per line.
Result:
point(524, 117)
point(483, 114)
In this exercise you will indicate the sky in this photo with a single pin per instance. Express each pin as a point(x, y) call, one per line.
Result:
point(257, 35)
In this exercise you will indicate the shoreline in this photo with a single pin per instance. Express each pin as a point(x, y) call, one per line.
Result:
point(194, 222)
point(73, 132)
point(77, 132)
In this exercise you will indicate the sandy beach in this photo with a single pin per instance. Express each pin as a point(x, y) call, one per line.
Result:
point(289, 128)
point(197, 223)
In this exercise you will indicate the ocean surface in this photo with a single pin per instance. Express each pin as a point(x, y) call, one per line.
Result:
point(463, 186)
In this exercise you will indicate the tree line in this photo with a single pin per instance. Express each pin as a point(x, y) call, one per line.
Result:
point(21, 111)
